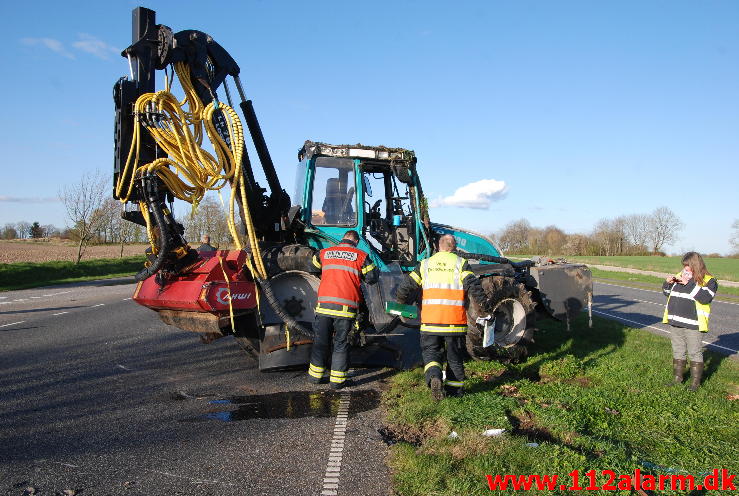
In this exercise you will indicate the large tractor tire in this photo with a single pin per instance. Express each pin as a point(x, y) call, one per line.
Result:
point(281, 258)
point(513, 319)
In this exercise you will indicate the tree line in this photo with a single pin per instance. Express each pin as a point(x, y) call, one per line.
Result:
point(636, 234)
point(94, 217)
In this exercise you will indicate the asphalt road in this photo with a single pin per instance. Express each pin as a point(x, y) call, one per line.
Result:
point(643, 309)
point(98, 397)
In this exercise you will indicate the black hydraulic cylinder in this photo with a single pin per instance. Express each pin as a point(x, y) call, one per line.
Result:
point(261, 146)
point(141, 55)
point(144, 37)
point(144, 23)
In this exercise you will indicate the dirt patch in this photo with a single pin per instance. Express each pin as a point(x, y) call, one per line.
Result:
point(524, 424)
point(509, 375)
point(59, 250)
point(414, 435)
point(467, 444)
point(509, 391)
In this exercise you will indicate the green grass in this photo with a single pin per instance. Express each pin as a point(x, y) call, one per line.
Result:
point(656, 282)
point(591, 399)
point(24, 275)
point(721, 268)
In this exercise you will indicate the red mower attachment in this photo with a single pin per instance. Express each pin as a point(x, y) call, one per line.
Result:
point(198, 300)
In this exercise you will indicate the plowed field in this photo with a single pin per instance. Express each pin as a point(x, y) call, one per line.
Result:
point(48, 251)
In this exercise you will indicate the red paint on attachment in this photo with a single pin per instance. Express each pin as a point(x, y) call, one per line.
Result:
point(203, 288)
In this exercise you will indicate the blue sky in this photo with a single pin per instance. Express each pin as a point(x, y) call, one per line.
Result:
point(585, 110)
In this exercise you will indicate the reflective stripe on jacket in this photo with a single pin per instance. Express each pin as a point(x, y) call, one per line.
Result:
point(443, 310)
point(702, 310)
point(341, 270)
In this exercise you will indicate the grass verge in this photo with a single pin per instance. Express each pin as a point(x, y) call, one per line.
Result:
point(654, 282)
point(721, 268)
point(591, 399)
point(25, 275)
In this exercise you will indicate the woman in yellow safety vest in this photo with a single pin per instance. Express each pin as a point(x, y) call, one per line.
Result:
point(689, 295)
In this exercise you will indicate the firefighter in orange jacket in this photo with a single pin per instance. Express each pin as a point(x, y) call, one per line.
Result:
point(444, 278)
point(342, 268)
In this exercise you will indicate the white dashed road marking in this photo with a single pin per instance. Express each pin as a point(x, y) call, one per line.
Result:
point(659, 292)
point(630, 321)
point(610, 315)
point(54, 294)
point(719, 346)
point(60, 313)
point(13, 323)
point(98, 305)
point(333, 468)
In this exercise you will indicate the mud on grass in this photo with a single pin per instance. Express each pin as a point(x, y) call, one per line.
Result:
point(589, 399)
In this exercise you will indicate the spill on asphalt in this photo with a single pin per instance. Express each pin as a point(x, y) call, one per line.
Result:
point(291, 404)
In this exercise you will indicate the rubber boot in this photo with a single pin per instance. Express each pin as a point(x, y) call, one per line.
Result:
point(437, 393)
point(342, 385)
point(678, 371)
point(696, 374)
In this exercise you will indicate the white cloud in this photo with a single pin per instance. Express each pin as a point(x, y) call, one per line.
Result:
point(50, 43)
point(90, 44)
point(480, 194)
point(20, 199)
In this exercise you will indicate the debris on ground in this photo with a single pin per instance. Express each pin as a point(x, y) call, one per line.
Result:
point(493, 432)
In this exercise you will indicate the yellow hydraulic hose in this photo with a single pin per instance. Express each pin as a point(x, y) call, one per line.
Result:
point(189, 171)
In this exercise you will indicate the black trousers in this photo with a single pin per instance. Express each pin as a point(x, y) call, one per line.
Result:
point(322, 329)
point(432, 352)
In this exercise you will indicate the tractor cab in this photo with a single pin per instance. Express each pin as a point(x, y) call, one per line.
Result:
point(372, 190)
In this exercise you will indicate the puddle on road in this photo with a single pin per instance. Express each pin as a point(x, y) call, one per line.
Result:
point(292, 404)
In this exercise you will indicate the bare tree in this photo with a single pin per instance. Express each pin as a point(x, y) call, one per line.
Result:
point(734, 240)
point(50, 230)
point(23, 229)
point(554, 240)
point(578, 244)
point(210, 219)
point(110, 213)
point(82, 201)
point(123, 231)
point(515, 236)
point(535, 241)
point(606, 236)
point(636, 228)
point(618, 231)
point(664, 225)
point(9, 232)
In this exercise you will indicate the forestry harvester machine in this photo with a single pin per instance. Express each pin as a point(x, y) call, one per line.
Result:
point(263, 292)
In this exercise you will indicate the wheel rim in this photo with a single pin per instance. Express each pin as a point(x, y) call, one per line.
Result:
point(297, 292)
point(510, 322)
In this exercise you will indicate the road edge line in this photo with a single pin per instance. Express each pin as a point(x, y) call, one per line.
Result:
point(333, 467)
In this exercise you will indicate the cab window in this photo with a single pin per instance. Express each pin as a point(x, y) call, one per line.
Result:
point(333, 201)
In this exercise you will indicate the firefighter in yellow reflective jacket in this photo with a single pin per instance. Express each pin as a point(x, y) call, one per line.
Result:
point(342, 269)
point(444, 280)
